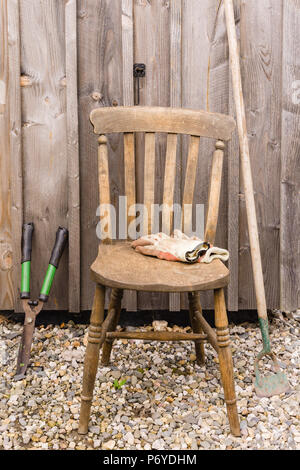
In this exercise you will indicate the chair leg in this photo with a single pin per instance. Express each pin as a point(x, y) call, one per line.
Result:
point(115, 303)
point(194, 305)
point(91, 358)
point(225, 359)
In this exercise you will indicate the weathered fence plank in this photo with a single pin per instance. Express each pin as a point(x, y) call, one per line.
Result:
point(176, 101)
point(14, 44)
point(73, 156)
point(209, 63)
point(152, 47)
point(6, 249)
point(100, 84)
point(44, 137)
point(130, 298)
point(233, 183)
point(290, 159)
point(261, 68)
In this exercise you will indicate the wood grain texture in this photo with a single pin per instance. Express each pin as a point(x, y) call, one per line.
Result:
point(261, 49)
point(189, 185)
point(114, 268)
point(44, 138)
point(214, 193)
point(6, 249)
point(176, 101)
point(169, 183)
point(130, 298)
point(149, 182)
point(233, 183)
point(205, 86)
point(290, 160)
point(185, 50)
point(152, 47)
point(91, 358)
point(162, 119)
point(14, 44)
point(104, 190)
point(156, 335)
point(100, 84)
point(73, 156)
point(225, 360)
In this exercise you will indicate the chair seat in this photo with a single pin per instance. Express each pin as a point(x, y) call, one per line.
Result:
point(118, 265)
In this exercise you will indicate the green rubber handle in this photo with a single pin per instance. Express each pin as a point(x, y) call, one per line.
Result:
point(46, 287)
point(25, 280)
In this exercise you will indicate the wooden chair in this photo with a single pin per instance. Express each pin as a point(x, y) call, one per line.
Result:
point(119, 267)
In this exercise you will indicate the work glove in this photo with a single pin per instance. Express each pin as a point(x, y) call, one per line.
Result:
point(179, 247)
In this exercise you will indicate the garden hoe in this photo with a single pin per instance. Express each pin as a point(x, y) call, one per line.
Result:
point(272, 384)
point(33, 307)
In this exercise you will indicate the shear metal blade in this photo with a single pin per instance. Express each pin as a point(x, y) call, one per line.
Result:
point(25, 345)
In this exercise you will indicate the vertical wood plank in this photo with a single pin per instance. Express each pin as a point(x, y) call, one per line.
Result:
point(205, 85)
point(290, 160)
point(73, 156)
point(13, 13)
point(233, 182)
point(152, 47)
point(261, 50)
point(176, 101)
point(100, 84)
point(44, 137)
point(6, 250)
point(130, 298)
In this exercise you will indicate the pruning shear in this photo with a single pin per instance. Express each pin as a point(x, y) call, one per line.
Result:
point(33, 307)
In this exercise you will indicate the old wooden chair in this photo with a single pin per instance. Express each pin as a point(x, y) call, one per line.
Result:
point(119, 267)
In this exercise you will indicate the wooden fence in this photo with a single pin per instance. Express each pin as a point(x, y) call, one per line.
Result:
point(59, 59)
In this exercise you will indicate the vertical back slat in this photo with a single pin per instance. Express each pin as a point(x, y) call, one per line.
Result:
point(103, 180)
point(214, 193)
point(129, 170)
point(169, 183)
point(190, 180)
point(149, 180)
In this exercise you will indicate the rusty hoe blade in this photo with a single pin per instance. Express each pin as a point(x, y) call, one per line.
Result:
point(275, 384)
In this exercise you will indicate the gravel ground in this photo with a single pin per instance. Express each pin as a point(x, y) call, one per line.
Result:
point(167, 402)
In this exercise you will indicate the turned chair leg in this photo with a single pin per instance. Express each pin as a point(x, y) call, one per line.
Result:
point(194, 305)
point(115, 303)
point(91, 358)
point(225, 359)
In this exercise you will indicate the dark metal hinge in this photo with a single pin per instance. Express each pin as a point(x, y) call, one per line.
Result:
point(139, 71)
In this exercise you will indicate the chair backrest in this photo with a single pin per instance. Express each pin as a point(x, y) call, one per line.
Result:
point(173, 121)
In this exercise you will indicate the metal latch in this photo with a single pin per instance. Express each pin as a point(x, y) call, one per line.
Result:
point(139, 71)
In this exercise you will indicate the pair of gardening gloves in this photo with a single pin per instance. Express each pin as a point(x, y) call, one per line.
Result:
point(179, 247)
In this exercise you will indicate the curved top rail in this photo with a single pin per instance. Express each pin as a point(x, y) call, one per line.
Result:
point(108, 120)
